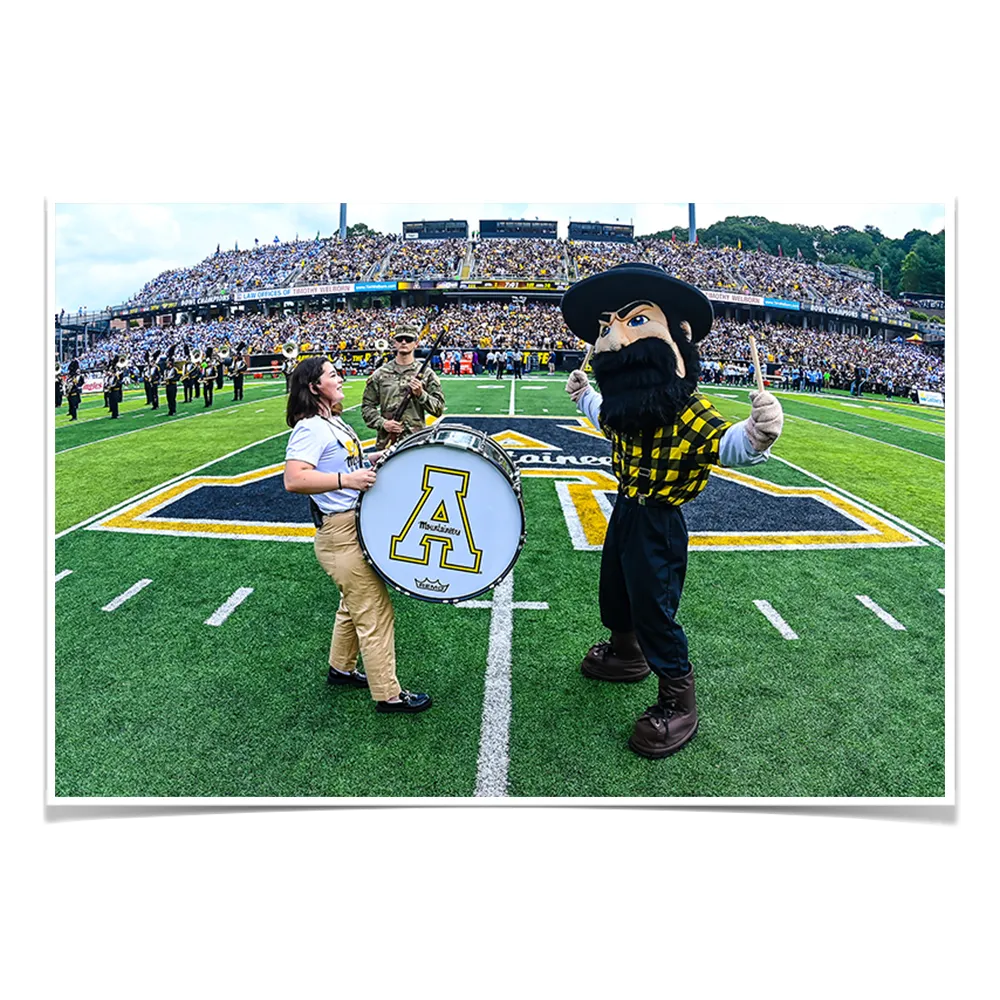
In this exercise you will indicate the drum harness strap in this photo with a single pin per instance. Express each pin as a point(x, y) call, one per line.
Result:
point(336, 425)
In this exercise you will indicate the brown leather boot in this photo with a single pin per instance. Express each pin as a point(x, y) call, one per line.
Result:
point(620, 659)
point(669, 724)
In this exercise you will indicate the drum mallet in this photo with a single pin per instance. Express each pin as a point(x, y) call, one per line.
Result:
point(756, 363)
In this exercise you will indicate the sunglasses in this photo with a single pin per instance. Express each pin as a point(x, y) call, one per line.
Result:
point(405, 340)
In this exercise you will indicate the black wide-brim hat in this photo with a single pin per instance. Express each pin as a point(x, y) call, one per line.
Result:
point(587, 301)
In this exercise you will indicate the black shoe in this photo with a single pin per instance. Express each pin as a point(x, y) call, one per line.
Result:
point(409, 701)
point(354, 679)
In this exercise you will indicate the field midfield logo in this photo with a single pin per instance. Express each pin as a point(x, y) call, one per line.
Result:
point(442, 488)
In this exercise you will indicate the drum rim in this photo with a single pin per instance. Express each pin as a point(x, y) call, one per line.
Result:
point(405, 446)
point(444, 600)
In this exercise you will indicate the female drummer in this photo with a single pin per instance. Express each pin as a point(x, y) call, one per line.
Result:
point(324, 461)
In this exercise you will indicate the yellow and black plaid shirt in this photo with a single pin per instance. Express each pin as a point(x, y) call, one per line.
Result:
point(679, 456)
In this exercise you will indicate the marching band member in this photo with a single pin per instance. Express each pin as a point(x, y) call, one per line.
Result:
point(237, 368)
point(208, 375)
point(74, 388)
point(153, 378)
point(59, 388)
point(189, 375)
point(323, 460)
point(170, 378)
point(287, 368)
point(113, 386)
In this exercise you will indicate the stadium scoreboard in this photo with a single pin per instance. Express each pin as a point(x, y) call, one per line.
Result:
point(517, 229)
point(604, 232)
point(453, 229)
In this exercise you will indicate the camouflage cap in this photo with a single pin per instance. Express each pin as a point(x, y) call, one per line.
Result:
point(406, 330)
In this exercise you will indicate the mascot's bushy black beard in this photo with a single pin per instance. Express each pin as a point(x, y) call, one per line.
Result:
point(640, 386)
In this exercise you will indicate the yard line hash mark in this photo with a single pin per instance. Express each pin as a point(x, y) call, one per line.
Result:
point(881, 612)
point(940, 589)
point(122, 598)
point(66, 572)
point(225, 610)
point(775, 619)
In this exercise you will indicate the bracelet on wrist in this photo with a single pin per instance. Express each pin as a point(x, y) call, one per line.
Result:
point(339, 484)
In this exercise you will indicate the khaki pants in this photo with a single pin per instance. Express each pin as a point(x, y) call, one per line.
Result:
point(365, 620)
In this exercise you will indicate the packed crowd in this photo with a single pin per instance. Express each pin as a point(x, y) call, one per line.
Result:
point(706, 267)
point(532, 326)
point(519, 258)
point(907, 365)
point(350, 260)
point(227, 271)
point(589, 257)
point(306, 262)
point(424, 259)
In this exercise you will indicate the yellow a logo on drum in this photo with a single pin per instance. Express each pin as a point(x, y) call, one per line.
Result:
point(443, 490)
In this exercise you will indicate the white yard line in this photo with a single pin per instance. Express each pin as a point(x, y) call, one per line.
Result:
point(122, 598)
point(66, 572)
point(494, 737)
point(510, 412)
point(224, 611)
point(858, 406)
point(940, 590)
point(775, 619)
point(864, 437)
point(881, 612)
point(860, 500)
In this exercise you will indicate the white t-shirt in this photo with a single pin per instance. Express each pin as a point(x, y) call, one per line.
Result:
point(328, 444)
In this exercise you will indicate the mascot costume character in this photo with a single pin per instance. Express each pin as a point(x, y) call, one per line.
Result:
point(665, 436)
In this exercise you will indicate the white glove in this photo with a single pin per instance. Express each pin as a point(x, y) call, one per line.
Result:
point(765, 421)
point(577, 384)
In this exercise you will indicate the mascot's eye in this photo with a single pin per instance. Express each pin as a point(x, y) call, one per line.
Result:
point(637, 321)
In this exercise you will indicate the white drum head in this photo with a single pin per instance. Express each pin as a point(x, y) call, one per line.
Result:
point(441, 523)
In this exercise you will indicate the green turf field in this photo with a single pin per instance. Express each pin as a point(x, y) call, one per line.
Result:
point(152, 701)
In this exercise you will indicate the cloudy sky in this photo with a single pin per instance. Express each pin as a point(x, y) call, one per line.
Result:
point(104, 253)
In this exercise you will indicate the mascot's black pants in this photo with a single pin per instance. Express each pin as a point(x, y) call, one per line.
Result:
point(642, 575)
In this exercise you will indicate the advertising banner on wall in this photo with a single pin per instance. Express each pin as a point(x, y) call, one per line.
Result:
point(735, 297)
point(927, 398)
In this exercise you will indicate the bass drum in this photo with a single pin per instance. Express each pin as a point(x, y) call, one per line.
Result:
point(444, 520)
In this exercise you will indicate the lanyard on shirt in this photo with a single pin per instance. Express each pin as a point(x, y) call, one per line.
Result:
point(337, 424)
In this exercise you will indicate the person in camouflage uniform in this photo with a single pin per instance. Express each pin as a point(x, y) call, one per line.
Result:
point(387, 384)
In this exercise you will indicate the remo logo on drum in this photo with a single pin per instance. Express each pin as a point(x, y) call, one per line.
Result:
point(444, 520)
